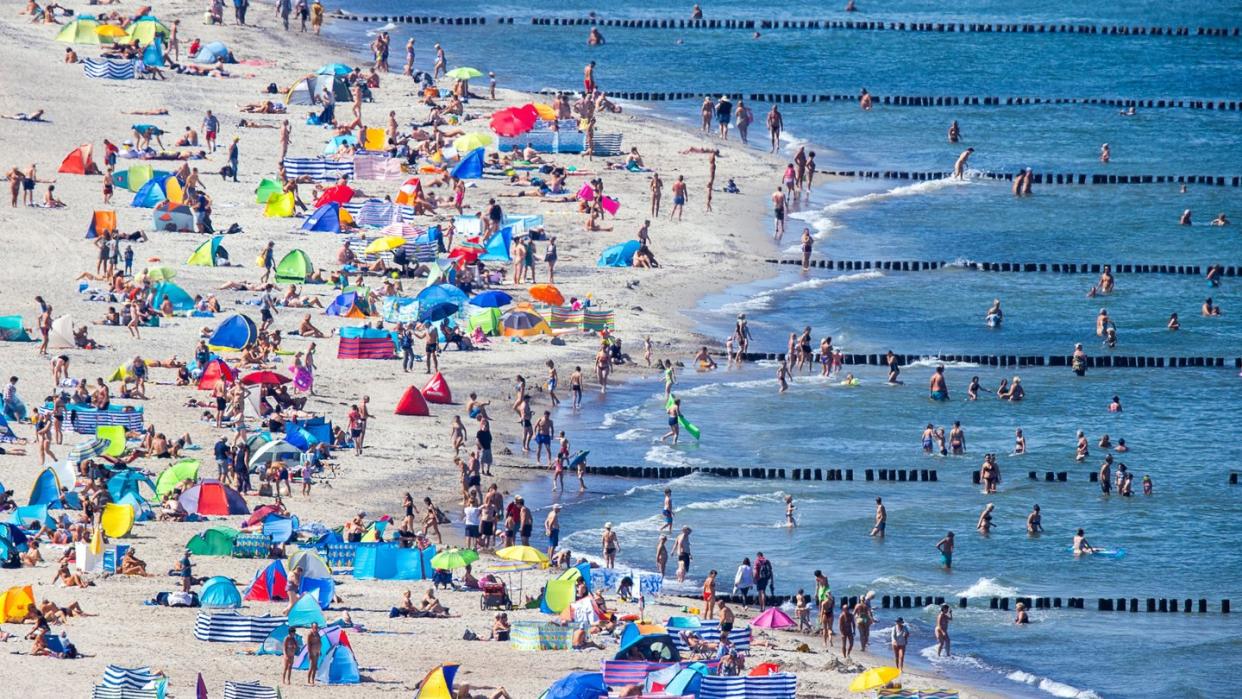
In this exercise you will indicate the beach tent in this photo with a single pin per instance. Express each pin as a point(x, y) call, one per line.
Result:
point(142, 510)
point(497, 247)
point(330, 637)
point(294, 268)
point(217, 541)
point(279, 529)
point(47, 490)
point(310, 563)
point(376, 139)
point(305, 612)
point(178, 297)
point(577, 685)
point(216, 370)
point(326, 219)
point(619, 255)
point(79, 161)
point(220, 592)
point(173, 476)
point(470, 167)
point(31, 517)
point(61, 336)
point(6, 433)
point(83, 30)
point(338, 666)
point(235, 333)
point(653, 646)
point(12, 330)
point(14, 603)
point(209, 254)
point(114, 435)
point(308, 89)
point(438, 684)
point(323, 590)
point(280, 205)
point(155, 190)
point(133, 177)
point(274, 644)
point(523, 323)
point(263, 193)
point(211, 497)
point(275, 450)
point(773, 618)
point(334, 144)
point(442, 293)
point(153, 55)
point(129, 481)
point(387, 561)
point(337, 194)
point(145, 29)
point(212, 53)
point(412, 403)
point(334, 69)
point(269, 584)
point(437, 390)
point(117, 520)
point(366, 343)
point(488, 321)
point(349, 304)
point(101, 222)
point(172, 217)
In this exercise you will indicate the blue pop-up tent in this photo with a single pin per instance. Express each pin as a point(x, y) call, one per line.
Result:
point(470, 167)
point(619, 255)
point(235, 333)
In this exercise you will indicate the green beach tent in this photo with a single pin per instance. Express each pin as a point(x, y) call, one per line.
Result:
point(209, 254)
point(488, 319)
point(266, 189)
point(145, 29)
point(294, 268)
point(217, 541)
point(83, 30)
point(171, 477)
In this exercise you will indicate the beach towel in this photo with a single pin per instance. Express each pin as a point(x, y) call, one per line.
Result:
point(318, 168)
point(110, 68)
point(231, 627)
point(376, 166)
point(778, 686)
point(248, 690)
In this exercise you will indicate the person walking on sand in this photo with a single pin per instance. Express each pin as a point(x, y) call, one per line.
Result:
point(661, 555)
point(775, 124)
point(709, 595)
point(679, 197)
point(901, 637)
point(778, 212)
point(845, 625)
point(316, 15)
point(657, 189)
point(313, 645)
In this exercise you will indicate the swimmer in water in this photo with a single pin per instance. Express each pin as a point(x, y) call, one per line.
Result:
point(937, 387)
point(864, 100)
point(1208, 309)
point(1220, 220)
point(1081, 452)
point(955, 132)
point(1121, 447)
point(972, 390)
point(1081, 546)
point(782, 376)
point(959, 167)
point(1185, 219)
point(1019, 442)
point(894, 368)
point(995, 316)
point(984, 525)
point(789, 512)
point(1034, 522)
point(1115, 405)
point(1106, 153)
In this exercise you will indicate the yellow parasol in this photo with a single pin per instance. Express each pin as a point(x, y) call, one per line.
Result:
point(467, 143)
point(385, 243)
point(873, 678)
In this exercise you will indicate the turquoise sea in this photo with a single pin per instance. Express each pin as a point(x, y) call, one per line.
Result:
point(1181, 542)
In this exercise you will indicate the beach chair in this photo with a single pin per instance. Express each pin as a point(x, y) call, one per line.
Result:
point(495, 596)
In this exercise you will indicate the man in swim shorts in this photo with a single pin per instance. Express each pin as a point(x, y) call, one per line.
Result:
point(945, 547)
point(938, 387)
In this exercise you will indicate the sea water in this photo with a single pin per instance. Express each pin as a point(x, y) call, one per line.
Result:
point(1180, 423)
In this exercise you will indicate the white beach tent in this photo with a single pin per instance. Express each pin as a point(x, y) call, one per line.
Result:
point(61, 335)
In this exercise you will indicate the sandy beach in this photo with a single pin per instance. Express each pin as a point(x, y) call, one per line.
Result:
point(46, 249)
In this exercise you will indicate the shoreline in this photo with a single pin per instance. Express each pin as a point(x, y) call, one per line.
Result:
point(404, 455)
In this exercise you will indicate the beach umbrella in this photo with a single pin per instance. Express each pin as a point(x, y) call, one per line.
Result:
point(545, 112)
point(491, 299)
point(471, 141)
point(89, 449)
point(772, 618)
point(110, 32)
point(466, 254)
point(523, 554)
point(510, 567)
point(874, 678)
point(334, 69)
point(437, 312)
point(385, 243)
point(269, 378)
point(514, 121)
point(453, 559)
point(160, 273)
point(399, 230)
point(548, 293)
point(464, 73)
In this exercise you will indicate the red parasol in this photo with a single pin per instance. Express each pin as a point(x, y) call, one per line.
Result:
point(269, 378)
point(514, 121)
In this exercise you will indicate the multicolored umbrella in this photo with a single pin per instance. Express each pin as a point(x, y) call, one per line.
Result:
point(88, 450)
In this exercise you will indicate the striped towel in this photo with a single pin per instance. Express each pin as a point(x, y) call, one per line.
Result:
point(231, 627)
point(937, 694)
point(778, 686)
point(710, 631)
point(110, 68)
point(377, 166)
point(84, 420)
point(248, 690)
point(376, 213)
point(318, 168)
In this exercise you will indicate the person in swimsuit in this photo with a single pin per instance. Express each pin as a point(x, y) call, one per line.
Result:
point(1034, 522)
point(679, 197)
point(667, 511)
point(894, 368)
point(1019, 442)
point(881, 519)
point(945, 547)
point(674, 426)
point(938, 387)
